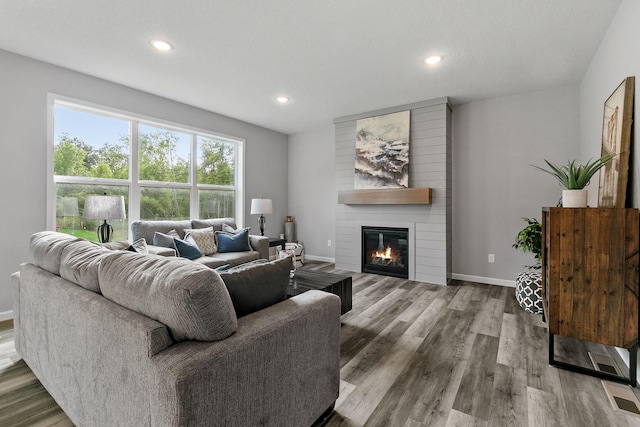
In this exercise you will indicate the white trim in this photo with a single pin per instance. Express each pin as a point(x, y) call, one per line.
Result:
point(133, 182)
point(6, 315)
point(50, 216)
point(487, 280)
point(624, 354)
point(74, 103)
point(319, 258)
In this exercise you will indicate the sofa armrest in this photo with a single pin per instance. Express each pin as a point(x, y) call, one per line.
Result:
point(159, 250)
point(280, 367)
point(260, 244)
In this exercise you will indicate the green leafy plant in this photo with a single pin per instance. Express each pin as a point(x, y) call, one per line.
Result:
point(529, 239)
point(575, 176)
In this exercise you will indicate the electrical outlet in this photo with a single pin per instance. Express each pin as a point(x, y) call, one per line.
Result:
point(328, 242)
point(492, 258)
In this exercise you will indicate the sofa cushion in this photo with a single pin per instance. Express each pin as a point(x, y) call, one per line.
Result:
point(233, 242)
point(211, 262)
point(187, 248)
point(235, 258)
point(79, 264)
point(256, 286)
point(188, 297)
point(46, 249)
point(215, 223)
point(205, 239)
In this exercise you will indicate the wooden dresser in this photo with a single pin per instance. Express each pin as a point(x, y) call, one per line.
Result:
point(590, 278)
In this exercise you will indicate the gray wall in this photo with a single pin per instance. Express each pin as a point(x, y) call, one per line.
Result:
point(24, 85)
point(615, 59)
point(494, 142)
point(312, 196)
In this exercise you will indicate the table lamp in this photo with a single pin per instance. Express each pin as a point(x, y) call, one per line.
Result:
point(261, 207)
point(104, 207)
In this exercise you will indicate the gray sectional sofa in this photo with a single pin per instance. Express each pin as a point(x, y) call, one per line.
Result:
point(147, 229)
point(124, 339)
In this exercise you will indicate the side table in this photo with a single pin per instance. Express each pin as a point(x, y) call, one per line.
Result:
point(305, 280)
point(276, 242)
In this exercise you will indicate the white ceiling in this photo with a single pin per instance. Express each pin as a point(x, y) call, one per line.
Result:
point(331, 57)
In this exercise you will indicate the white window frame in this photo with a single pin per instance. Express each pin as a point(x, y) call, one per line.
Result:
point(135, 185)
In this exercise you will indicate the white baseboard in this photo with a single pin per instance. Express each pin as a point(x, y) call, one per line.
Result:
point(6, 315)
point(487, 280)
point(319, 258)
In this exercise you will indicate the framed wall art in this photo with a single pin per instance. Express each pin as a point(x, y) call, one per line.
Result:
point(382, 151)
point(616, 138)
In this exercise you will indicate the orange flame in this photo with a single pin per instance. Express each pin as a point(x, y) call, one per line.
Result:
point(386, 254)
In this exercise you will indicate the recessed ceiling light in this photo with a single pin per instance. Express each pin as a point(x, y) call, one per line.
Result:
point(161, 45)
point(282, 99)
point(433, 59)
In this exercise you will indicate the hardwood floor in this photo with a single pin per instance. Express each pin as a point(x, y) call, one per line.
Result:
point(414, 354)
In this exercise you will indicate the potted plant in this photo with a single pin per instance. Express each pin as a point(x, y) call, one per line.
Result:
point(529, 283)
point(529, 239)
point(574, 177)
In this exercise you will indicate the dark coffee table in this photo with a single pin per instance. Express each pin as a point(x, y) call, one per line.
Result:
point(338, 284)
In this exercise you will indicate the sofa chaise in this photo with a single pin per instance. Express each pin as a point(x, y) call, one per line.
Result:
point(124, 339)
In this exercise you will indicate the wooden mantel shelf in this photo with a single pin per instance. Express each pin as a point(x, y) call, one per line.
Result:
point(386, 196)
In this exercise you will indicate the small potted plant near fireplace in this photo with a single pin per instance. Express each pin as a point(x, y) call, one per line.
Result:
point(529, 283)
point(574, 177)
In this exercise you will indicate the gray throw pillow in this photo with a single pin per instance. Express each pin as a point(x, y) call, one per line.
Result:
point(229, 229)
point(257, 286)
point(165, 240)
point(139, 246)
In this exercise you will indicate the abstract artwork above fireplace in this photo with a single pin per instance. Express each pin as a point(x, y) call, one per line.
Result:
point(382, 151)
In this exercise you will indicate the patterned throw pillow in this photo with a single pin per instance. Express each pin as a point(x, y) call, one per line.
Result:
point(204, 238)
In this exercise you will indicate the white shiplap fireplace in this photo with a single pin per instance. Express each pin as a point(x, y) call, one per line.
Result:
point(429, 166)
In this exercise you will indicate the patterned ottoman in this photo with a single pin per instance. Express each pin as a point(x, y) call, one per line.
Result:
point(529, 291)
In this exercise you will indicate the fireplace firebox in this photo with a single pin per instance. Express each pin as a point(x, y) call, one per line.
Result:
point(385, 251)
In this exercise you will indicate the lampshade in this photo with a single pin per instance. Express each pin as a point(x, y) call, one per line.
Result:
point(261, 206)
point(104, 207)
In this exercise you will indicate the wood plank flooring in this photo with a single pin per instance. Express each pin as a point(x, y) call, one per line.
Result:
point(414, 354)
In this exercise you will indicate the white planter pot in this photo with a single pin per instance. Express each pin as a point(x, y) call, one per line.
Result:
point(574, 198)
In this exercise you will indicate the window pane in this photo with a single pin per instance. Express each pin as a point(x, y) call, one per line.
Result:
point(90, 145)
point(164, 154)
point(216, 161)
point(70, 206)
point(164, 203)
point(217, 204)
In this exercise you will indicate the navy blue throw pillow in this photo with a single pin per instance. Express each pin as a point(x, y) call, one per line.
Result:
point(238, 242)
point(186, 249)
